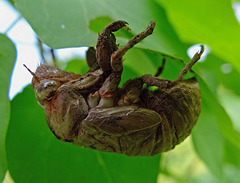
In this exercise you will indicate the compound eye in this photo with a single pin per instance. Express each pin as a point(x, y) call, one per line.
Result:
point(46, 90)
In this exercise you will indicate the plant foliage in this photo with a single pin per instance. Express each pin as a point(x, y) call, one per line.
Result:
point(32, 154)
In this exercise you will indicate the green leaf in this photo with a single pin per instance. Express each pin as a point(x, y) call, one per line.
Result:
point(35, 155)
point(130, 169)
point(77, 66)
point(208, 142)
point(231, 154)
point(214, 127)
point(211, 72)
point(97, 25)
point(231, 103)
point(209, 22)
point(7, 59)
point(145, 61)
point(27, 139)
point(74, 23)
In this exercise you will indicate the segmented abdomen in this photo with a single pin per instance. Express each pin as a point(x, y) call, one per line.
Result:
point(179, 107)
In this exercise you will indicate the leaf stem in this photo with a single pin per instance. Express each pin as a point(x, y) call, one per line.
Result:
point(41, 50)
point(12, 24)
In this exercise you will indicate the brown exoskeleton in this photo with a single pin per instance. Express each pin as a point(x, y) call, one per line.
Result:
point(93, 112)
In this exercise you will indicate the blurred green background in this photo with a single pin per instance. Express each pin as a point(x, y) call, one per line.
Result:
point(30, 153)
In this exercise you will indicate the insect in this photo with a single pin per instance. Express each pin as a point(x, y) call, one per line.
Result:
point(91, 111)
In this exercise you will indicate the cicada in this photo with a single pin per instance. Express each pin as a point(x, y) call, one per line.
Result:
point(92, 111)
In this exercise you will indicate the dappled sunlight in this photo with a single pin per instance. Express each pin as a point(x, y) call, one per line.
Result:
point(236, 8)
point(196, 48)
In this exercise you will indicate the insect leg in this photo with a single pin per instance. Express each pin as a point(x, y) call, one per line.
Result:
point(108, 90)
point(160, 69)
point(92, 59)
point(116, 59)
point(188, 67)
point(106, 45)
point(131, 92)
point(155, 81)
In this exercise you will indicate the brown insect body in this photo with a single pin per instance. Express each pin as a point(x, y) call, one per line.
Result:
point(166, 120)
point(92, 111)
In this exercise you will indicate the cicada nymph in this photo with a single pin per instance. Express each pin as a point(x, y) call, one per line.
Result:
point(92, 111)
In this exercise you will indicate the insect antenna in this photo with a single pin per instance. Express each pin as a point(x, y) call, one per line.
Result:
point(33, 74)
point(187, 67)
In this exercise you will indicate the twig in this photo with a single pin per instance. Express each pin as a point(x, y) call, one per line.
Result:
point(41, 50)
point(12, 24)
point(53, 57)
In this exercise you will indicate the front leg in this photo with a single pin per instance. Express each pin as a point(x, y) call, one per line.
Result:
point(92, 59)
point(106, 45)
point(131, 91)
point(108, 90)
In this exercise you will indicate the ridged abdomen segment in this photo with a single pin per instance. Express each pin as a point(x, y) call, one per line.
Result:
point(179, 107)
